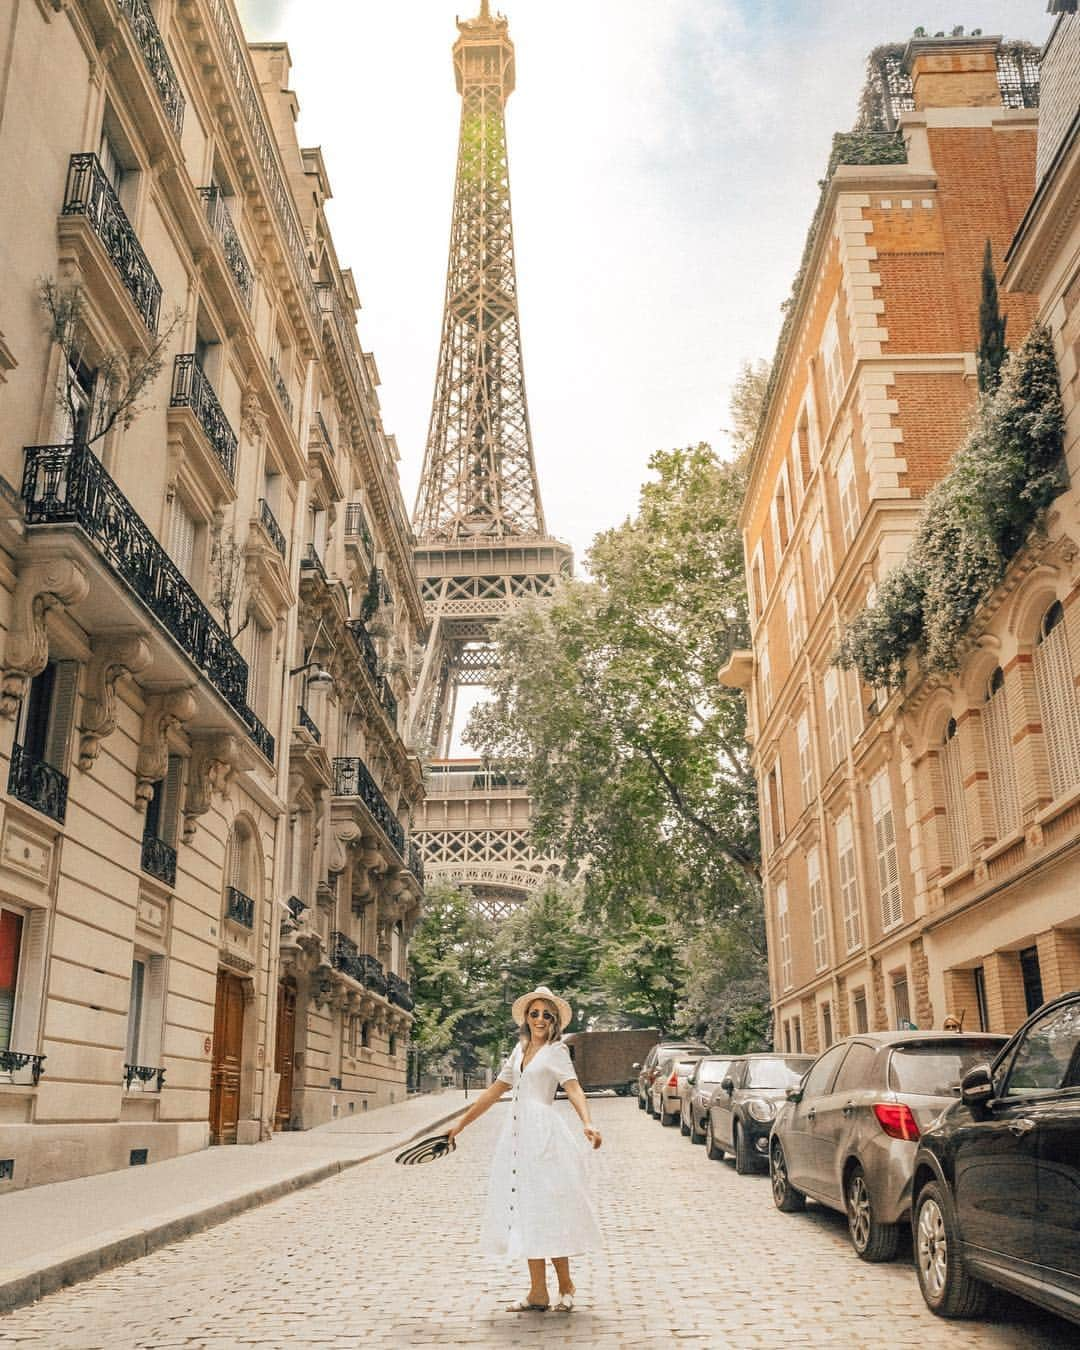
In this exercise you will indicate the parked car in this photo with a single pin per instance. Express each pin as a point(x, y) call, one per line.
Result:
point(696, 1092)
point(742, 1108)
point(672, 1071)
point(847, 1135)
point(997, 1177)
point(646, 1070)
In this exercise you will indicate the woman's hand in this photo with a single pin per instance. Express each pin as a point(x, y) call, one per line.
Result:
point(593, 1136)
point(453, 1132)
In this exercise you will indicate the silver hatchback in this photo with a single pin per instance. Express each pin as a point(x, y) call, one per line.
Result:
point(846, 1136)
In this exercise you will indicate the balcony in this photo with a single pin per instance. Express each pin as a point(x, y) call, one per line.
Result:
point(356, 527)
point(240, 908)
point(387, 699)
point(191, 389)
point(398, 991)
point(67, 484)
point(379, 595)
point(159, 859)
point(14, 1061)
point(366, 645)
point(270, 525)
point(89, 194)
point(311, 562)
point(148, 38)
point(217, 213)
point(303, 718)
point(296, 907)
point(344, 956)
point(259, 734)
point(415, 862)
point(373, 975)
point(37, 784)
point(353, 779)
point(143, 1074)
point(281, 389)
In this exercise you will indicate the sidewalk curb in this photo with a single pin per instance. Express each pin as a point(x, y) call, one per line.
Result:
point(27, 1284)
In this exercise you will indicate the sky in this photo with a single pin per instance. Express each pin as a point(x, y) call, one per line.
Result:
point(664, 166)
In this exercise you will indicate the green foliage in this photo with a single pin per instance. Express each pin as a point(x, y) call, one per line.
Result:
point(548, 941)
point(1004, 476)
point(727, 986)
point(991, 350)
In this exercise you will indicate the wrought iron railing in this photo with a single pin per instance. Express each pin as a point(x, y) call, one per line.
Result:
point(258, 733)
point(387, 699)
point(352, 778)
point(399, 991)
point(305, 720)
point(239, 907)
point(373, 974)
point(148, 36)
point(296, 907)
point(311, 562)
point(143, 1073)
point(415, 861)
point(281, 388)
point(366, 645)
point(324, 432)
point(221, 222)
point(356, 525)
point(89, 193)
point(68, 484)
point(14, 1061)
point(191, 389)
point(159, 859)
point(269, 523)
point(378, 594)
point(37, 784)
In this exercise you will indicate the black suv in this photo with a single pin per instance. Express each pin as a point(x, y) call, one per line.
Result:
point(996, 1192)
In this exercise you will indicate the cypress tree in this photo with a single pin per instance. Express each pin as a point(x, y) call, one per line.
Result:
point(991, 351)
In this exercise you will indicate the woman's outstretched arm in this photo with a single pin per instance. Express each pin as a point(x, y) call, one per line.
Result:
point(487, 1098)
point(575, 1095)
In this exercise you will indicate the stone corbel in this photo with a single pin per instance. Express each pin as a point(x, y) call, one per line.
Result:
point(41, 586)
point(212, 765)
point(163, 713)
point(344, 836)
point(128, 654)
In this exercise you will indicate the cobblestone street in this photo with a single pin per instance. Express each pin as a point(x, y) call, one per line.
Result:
point(695, 1254)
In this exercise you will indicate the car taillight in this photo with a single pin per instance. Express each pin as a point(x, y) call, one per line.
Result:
point(673, 1081)
point(896, 1120)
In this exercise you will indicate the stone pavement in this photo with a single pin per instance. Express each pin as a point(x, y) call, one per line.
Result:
point(73, 1229)
point(696, 1256)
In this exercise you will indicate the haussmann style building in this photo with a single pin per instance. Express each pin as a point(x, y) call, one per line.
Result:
point(210, 621)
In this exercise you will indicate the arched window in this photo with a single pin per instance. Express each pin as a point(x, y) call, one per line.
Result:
point(1057, 700)
point(999, 755)
point(955, 803)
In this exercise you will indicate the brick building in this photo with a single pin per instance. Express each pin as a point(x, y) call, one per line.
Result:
point(869, 396)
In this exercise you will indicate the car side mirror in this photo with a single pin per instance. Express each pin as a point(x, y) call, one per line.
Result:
point(728, 1085)
point(794, 1094)
point(977, 1086)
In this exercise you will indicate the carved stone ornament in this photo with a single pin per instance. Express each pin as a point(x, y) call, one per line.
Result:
point(212, 763)
point(126, 654)
point(41, 586)
point(252, 415)
point(344, 836)
point(163, 713)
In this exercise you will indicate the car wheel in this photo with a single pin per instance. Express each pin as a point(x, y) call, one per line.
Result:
point(683, 1127)
point(696, 1136)
point(946, 1286)
point(785, 1197)
point(873, 1241)
point(665, 1117)
point(712, 1148)
point(640, 1102)
point(745, 1162)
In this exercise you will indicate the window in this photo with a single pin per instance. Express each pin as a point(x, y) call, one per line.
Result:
point(794, 618)
point(901, 1002)
point(758, 573)
point(45, 718)
point(146, 1002)
point(849, 885)
point(259, 663)
point(834, 717)
point(163, 808)
point(787, 1036)
point(999, 755)
point(818, 934)
point(73, 417)
point(774, 805)
point(826, 1024)
point(885, 845)
point(818, 562)
point(1057, 701)
point(781, 517)
point(806, 760)
point(365, 1035)
point(859, 1011)
point(832, 362)
point(849, 495)
point(183, 529)
point(801, 450)
point(11, 946)
point(765, 679)
point(796, 1029)
point(391, 1048)
point(820, 1076)
point(857, 1068)
point(1032, 976)
point(135, 1012)
point(1048, 1058)
point(110, 160)
point(978, 975)
point(955, 803)
point(783, 926)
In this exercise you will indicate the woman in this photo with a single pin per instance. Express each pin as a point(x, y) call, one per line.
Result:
point(538, 1205)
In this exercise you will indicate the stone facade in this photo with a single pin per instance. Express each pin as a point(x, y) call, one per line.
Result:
point(209, 613)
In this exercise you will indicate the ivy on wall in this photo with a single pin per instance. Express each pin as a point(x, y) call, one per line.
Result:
point(1002, 479)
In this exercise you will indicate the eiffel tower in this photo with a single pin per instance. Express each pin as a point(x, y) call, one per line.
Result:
point(482, 542)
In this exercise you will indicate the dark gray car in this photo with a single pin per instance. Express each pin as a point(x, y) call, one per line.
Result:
point(696, 1093)
point(847, 1135)
point(741, 1110)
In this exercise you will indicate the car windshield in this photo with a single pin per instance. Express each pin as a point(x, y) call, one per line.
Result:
point(714, 1071)
point(935, 1070)
point(775, 1073)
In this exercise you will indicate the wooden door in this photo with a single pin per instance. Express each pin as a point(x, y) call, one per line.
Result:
point(225, 1065)
point(284, 1041)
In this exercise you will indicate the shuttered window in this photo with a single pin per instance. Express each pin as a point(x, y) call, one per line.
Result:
point(849, 495)
point(182, 529)
point(806, 760)
point(783, 928)
point(818, 563)
point(830, 359)
point(888, 863)
point(849, 883)
point(1058, 702)
point(765, 680)
point(834, 718)
point(135, 1012)
point(794, 618)
point(818, 933)
point(955, 803)
point(999, 756)
point(11, 937)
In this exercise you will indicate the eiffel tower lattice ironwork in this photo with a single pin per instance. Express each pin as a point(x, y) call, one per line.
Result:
point(482, 542)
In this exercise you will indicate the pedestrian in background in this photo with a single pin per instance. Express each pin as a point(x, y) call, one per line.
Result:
point(538, 1204)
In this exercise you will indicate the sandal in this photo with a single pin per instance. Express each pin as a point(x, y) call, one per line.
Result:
point(523, 1305)
point(566, 1302)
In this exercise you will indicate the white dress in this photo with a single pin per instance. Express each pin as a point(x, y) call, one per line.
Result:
point(538, 1201)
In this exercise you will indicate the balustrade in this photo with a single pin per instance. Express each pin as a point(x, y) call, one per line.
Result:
point(352, 778)
point(303, 717)
point(281, 388)
point(240, 908)
point(311, 562)
point(191, 389)
point(148, 36)
point(37, 784)
point(159, 859)
point(295, 907)
point(221, 222)
point(14, 1061)
point(144, 1073)
point(270, 525)
point(415, 861)
point(356, 526)
point(366, 645)
point(399, 991)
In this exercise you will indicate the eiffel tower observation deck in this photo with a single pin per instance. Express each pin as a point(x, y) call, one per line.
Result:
point(482, 541)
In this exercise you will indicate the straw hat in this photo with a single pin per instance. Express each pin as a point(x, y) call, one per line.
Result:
point(542, 991)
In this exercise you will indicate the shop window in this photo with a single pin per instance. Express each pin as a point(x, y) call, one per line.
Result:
point(999, 755)
point(1058, 703)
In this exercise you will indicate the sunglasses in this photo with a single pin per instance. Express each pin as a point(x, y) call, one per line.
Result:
point(541, 1012)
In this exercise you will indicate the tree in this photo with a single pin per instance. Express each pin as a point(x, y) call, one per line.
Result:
point(641, 969)
point(748, 403)
point(991, 350)
point(548, 940)
point(227, 564)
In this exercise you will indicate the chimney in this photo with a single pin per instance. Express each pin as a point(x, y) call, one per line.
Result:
point(954, 72)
